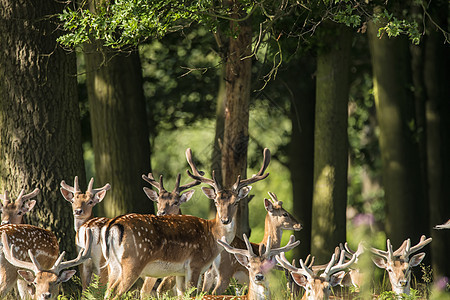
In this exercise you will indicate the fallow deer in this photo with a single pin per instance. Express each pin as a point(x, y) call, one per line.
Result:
point(12, 212)
point(398, 264)
point(82, 205)
point(318, 286)
point(183, 246)
point(257, 266)
point(277, 219)
point(354, 277)
point(41, 242)
point(167, 203)
point(45, 280)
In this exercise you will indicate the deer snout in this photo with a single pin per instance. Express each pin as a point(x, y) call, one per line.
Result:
point(46, 296)
point(259, 277)
point(77, 212)
point(161, 213)
point(297, 227)
point(225, 221)
point(402, 282)
point(4, 222)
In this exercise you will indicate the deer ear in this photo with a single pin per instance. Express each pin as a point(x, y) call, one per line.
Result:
point(268, 205)
point(209, 192)
point(66, 275)
point(99, 196)
point(299, 279)
point(416, 259)
point(379, 262)
point(186, 196)
point(242, 259)
point(347, 280)
point(26, 275)
point(28, 206)
point(243, 192)
point(67, 195)
point(337, 278)
point(151, 194)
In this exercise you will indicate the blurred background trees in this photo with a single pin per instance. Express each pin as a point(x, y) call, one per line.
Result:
point(358, 90)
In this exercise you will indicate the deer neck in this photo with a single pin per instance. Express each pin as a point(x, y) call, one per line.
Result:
point(78, 222)
point(272, 230)
point(258, 292)
point(219, 229)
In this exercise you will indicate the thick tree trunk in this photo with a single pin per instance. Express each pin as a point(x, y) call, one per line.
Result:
point(331, 143)
point(216, 159)
point(405, 208)
point(40, 134)
point(302, 84)
point(235, 137)
point(437, 74)
point(120, 133)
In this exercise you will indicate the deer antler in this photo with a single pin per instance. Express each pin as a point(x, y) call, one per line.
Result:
point(21, 198)
point(7, 250)
point(179, 189)
point(83, 255)
point(150, 179)
point(273, 252)
point(303, 270)
point(275, 200)
point(333, 268)
point(5, 198)
point(198, 175)
point(75, 189)
point(257, 177)
point(410, 250)
point(95, 191)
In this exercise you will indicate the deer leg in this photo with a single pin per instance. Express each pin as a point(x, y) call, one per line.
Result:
point(86, 274)
point(8, 276)
point(181, 285)
point(147, 287)
point(209, 279)
point(166, 285)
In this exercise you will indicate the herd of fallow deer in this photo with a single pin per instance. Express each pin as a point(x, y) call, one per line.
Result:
point(184, 250)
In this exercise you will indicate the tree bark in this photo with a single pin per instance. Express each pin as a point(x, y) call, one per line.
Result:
point(406, 210)
point(120, 133)
point(40, 137)
point(436, 74)
point(331, 142)
point(235, 137)
point(302, 84)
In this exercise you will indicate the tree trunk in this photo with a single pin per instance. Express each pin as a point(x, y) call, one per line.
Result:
point(216, 159)
point(436, 74)
point(40, 137)
point(406, 210)
point(301, 147)
point(235, 137)
point(120, 133)
point(331, 142)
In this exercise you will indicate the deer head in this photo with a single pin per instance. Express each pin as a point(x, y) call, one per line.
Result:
point(258, 265)
point(398, 264)
point(12, 212)
point(45, 282)
point(318, 286)
point(82, 204)
point(226, 199)
point(168, 203)
point(278, 216)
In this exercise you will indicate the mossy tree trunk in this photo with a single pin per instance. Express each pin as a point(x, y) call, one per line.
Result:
point(235, 137)
point(437, 74)
point(120, 132)
point(331, 142)
point(301, 82)
point(406, 210)
point(40, 133)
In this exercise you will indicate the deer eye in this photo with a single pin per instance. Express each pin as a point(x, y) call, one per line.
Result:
point(285, 214)
point(19, 213)
point(90, 202)
point(176, 202)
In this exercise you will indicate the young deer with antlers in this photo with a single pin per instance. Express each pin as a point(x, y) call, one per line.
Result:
point(82, 205)
point(167, 203)
point(318, 286)
point(12, 212)
point(183, 246)
point(257, 266)
point(398, 264)
point(277, 220)
point(45, 280)
point(41, 242)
